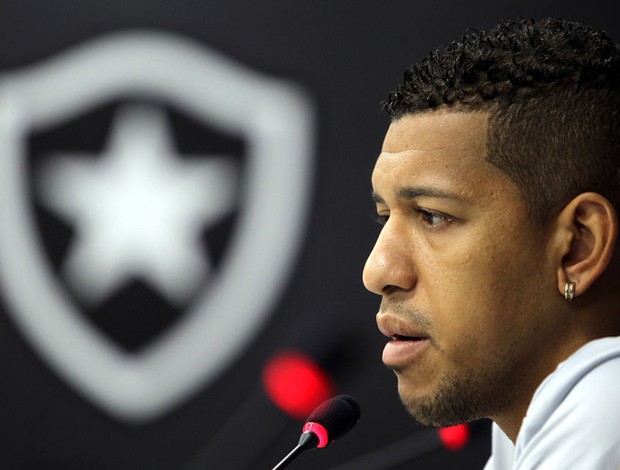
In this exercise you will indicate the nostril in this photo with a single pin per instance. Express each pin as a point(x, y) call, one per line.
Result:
point(389, 289)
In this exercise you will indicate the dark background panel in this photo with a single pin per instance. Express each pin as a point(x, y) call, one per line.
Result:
point(346, 55)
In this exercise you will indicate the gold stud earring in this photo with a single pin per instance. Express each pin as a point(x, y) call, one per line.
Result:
point(569, 291)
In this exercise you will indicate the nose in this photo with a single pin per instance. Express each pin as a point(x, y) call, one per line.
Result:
point(389, 266)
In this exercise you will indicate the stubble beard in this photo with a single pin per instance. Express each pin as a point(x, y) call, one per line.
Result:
point(467, 397)
point(469, 394)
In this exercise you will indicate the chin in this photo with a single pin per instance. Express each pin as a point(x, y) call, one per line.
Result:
point(449, 404)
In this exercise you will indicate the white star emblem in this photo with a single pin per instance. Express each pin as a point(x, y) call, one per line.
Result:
point(139, 209)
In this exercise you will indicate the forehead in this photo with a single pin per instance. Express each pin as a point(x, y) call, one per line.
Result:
point(442, 149)
point(440, 130)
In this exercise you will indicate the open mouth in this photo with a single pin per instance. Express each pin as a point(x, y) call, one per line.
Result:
point(407, 342)
point(408, 338)
point(402, 350)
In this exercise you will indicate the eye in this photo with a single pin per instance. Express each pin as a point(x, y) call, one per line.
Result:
point(380, 219)
point(433, 219)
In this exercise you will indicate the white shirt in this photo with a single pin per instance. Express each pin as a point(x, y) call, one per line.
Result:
point(573, 421)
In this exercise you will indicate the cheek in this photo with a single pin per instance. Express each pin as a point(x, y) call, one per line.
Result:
point(481, 298)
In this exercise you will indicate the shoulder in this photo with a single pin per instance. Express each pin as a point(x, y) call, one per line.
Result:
point(502, 450)
point(573, 419)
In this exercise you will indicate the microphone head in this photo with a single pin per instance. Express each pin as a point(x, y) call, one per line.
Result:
point(337, 415)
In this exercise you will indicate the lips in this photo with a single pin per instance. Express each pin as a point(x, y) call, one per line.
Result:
point(395, 327)
point(407, 343)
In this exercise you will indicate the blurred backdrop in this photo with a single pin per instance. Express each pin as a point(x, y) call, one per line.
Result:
point(185, 213)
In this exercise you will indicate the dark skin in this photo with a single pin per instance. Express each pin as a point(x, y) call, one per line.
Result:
point(472, 289)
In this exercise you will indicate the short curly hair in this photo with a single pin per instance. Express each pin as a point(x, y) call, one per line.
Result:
point(551, 88)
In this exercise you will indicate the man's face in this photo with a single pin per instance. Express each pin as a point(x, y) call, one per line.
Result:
point(466, 280)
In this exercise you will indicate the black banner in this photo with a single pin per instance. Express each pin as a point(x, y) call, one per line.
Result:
point(185, 214)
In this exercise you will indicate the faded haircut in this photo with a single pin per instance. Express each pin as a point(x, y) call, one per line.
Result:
point(551, 89)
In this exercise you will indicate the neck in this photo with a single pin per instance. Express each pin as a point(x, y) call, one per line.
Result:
point(511, 419)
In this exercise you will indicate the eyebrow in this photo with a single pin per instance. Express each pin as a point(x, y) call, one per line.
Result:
point(409, 193)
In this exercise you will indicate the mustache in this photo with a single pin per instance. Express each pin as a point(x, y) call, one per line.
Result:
point(410, 314)
point(417, 316)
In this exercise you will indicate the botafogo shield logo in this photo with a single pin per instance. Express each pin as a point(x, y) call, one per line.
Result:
point(137, 208)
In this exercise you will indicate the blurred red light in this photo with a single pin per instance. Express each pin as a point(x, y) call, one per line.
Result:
point(296, 384)
point(454, 437)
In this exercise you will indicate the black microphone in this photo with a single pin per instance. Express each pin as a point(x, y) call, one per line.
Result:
point(329, 421)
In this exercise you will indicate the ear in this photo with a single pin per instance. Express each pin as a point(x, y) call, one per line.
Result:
point(588, 227)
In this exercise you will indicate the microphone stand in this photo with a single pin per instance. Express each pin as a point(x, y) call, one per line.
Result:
point(308, 440)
